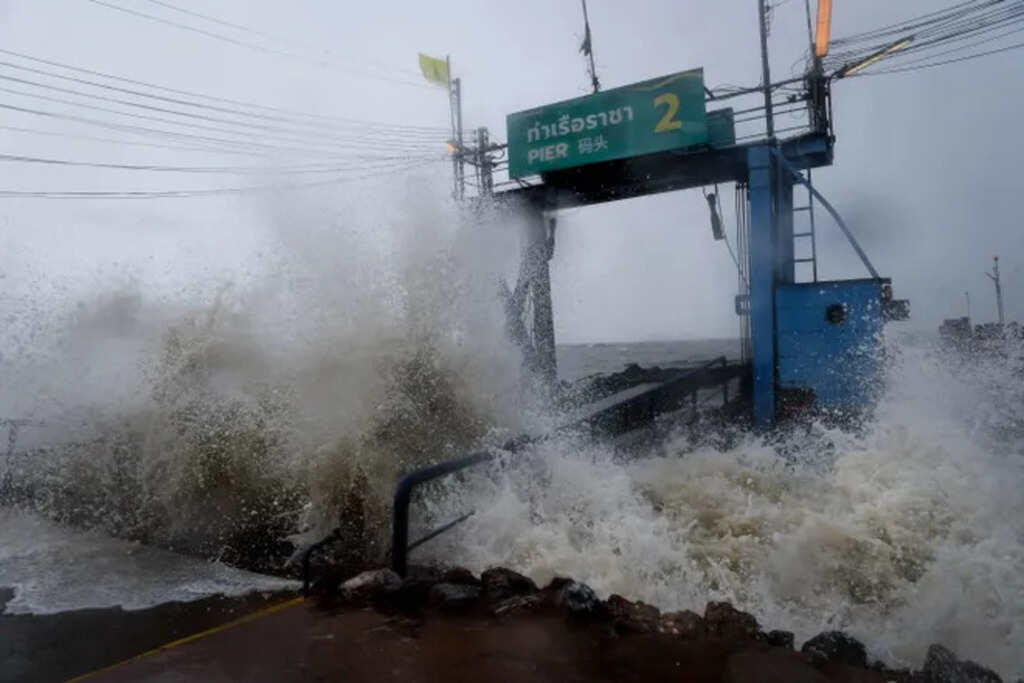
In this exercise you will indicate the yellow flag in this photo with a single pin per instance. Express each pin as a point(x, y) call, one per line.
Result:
point(434, 70)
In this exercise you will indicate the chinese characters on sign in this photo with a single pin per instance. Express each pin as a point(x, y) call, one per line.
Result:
point(591, 145)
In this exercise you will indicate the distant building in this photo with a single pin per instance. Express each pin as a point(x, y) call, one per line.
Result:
point(956, 330)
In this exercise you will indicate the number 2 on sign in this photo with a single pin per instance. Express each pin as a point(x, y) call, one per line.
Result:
point(668, 122)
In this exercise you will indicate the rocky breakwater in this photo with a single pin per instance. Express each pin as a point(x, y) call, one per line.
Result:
point(511, 629)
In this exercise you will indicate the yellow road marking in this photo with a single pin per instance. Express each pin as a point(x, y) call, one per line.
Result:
point(195, 636)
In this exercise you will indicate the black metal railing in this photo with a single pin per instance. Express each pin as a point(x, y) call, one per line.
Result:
point(307, 554)
point(617, 418)
point(400, 545)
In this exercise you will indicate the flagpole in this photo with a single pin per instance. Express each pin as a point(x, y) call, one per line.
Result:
point(588, 43)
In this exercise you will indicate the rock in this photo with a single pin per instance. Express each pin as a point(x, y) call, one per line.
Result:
point(500, 584)
point(425, 573)
point(724, 621)
point(637, 617)
point(412, 596)
point(369, 585)
point(461, 576)
point(942, 666)
point(770, 665)
point(686, 625)
point(579, 598)
point(836, 646)
point(784, 639)
point(453, 596)
point(517, 604)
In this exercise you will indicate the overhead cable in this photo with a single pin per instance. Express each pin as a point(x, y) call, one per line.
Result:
point(264, 34)
point(312, 134)
point(250, 148)
point(1008, 48)
point(353, 143)
point(215, 98)
point(211, 192)
point(240, 170)
point(255, 46)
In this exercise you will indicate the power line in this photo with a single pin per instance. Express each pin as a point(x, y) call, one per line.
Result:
point(262, 34)
point(114, 141)
point(253, 46)
point(346, 125)
point(214, 98)
point(962, 47)
point(157, 145)
point(180, 194)
point(241, 170)
point(314, 134)
point(338, 143)
point(956, 24)
point(904, 27)
point(1017, 46)
point(249, 148)
point(966, 23)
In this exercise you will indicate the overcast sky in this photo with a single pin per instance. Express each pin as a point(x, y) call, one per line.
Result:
point(925, 169)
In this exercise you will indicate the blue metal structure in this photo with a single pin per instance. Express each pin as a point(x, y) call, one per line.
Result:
point(812, 344)
point(817, 342)
point(828, 342)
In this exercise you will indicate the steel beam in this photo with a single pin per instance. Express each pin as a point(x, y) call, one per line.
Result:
point(763, 273)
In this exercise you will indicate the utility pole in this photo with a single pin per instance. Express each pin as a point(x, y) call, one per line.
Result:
point(455, 113)
point(483, 162)
point(460, 158)
point(994, 275)
point(766, 75)
point(967, 296)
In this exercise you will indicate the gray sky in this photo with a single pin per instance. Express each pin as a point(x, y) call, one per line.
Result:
point(924, 171)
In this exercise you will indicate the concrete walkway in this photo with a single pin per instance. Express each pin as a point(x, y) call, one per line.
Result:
point(295, 642)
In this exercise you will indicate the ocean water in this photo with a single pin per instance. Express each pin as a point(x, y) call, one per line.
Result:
point(576, 361)
point(908, 533)
point(54, 568)
point(186, 413)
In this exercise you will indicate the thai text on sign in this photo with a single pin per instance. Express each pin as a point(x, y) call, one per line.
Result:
point(660, 114)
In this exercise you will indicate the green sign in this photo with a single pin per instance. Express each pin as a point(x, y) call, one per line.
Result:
point(721, 128)
point(652, 116)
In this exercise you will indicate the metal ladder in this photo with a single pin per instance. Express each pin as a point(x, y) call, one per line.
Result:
point(810, 233)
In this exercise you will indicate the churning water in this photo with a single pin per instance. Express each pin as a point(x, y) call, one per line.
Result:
point(220, 411)
point(909, 533)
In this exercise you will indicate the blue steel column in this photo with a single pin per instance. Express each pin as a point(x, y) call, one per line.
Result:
point(784, 248)
point(763, 259)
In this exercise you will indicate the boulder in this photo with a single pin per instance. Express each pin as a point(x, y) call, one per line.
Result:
point(500, 584)
point(637, 617)
point(425, 573)
point(579, 598)
point(518, 603)
point(453, 596)
point(460, 576)
point(784, 639)
point(836, 646)
point(942, 666)
point(369, 585)
point(686, 625)
point(724, 621)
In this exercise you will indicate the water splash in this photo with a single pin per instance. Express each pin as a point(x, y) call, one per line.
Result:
point(225, 416)
point(216, 410)
point(906, 534)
